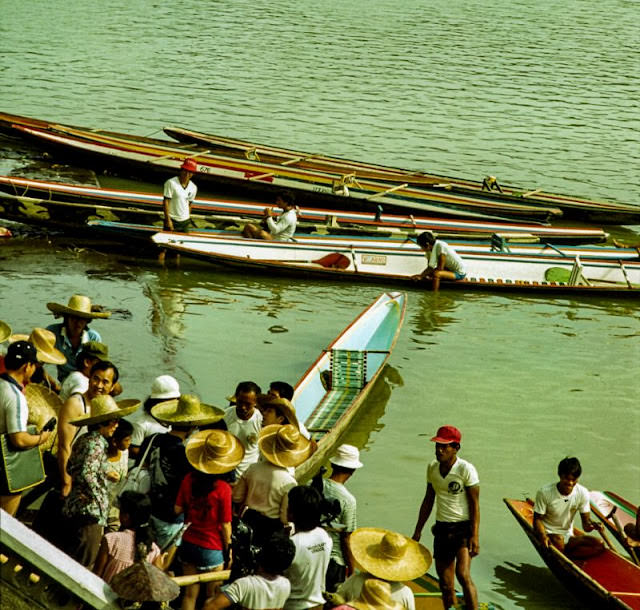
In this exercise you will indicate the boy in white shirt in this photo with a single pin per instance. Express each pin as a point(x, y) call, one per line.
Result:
point(555, 508)
point(281, 229)
point(444, 261)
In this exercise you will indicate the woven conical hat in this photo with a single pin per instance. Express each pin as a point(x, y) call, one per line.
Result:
point(143, 582)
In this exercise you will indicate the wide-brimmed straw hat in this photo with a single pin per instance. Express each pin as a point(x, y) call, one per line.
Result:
point(143, 582)
point(5, 331)
point(45, 342)
point(374, 594)
point(388, 555)
point(283, 406)
point(105, 408)
point(43, 404)
point(214, 451)
point(186, 411)
point(78, 306)
point(284, 445)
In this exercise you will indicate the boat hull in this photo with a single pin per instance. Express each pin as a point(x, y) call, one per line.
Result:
point(327, 414)
point(496, 271)
point(606, 581)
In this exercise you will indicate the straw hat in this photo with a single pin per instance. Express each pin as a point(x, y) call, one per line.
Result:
point(43, 404)
point(5, 331)
point(45, 342)
point(143, 582)
point(186, 411)
point(284, 445)
point(388, 555)
point(283, 406)
point(105, 408)
point(374, 594)
point(214, 451)
point(78, 306)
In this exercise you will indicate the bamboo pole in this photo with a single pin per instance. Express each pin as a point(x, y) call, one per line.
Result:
point(192, 579)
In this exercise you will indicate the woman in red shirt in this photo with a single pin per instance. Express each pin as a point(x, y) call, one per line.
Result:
point(205, 499)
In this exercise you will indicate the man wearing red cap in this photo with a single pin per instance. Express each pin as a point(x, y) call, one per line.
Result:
point(453, 486)
point(179, 193)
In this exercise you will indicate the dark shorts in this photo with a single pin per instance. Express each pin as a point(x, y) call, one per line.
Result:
point(181, 226)
point(449, 538)
point(203, 559)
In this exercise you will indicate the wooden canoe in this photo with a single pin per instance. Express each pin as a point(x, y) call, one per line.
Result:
point(47, 202)
point(137, 156)
point(606, 581)
point(426, 591)
point(283, 156)
point(616, 513)
point(330, 393)
point(127, 231)
point(495, 271)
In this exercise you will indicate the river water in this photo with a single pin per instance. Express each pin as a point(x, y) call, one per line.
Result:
point(540, 94)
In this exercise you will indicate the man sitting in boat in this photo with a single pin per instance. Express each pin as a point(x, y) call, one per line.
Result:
point(281, 229)
point(555, 507)
point(444, 261)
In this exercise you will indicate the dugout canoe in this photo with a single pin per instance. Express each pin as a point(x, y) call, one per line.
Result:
point(359, 169)
point(71, 205)
point(427, 595)
point(333, 389)
point(149, 157)
point(615, 512)
point(126, 231)
point(607, 581)
point(489, 271)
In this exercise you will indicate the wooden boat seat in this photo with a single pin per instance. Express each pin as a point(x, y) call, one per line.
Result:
point(348, 377)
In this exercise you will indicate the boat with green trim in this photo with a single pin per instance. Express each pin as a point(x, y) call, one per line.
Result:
point(332, 390)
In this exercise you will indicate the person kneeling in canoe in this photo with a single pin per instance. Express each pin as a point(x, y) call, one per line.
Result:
point(555, 508)
point(444, 261)
point(281, 229)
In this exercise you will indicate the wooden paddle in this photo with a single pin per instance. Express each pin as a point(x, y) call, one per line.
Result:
point(334, 260)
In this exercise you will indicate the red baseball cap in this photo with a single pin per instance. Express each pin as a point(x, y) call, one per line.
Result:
point(447, 434)
point(189, 165)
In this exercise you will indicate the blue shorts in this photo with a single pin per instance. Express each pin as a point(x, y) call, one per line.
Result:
point(460, 275)
point(203, 559)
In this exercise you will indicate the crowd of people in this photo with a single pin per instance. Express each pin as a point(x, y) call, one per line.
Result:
point(193, 488)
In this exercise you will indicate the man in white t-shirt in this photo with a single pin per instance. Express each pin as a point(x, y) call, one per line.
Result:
point(453, 486)
point(444, 261)
point(281, 229)
point(313, 548)
point(178, 195)
point(244, 421)
point(555, 508)
point(268, 589)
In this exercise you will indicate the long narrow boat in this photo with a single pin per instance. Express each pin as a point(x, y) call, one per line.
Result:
point(606, 581)
point(283, 156)
point(70, 205)
point(127, 231)
point(616, 513)
point(495, 271)
point(427, 595)
point(137, 156)
point(330, 393)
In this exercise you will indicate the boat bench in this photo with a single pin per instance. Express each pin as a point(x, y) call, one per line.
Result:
point(348, 377)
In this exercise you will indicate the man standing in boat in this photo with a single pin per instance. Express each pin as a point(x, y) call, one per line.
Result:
point(281, 229)
point(453, 486)
point(179, 193)
point(555, 508)
point(444, 261)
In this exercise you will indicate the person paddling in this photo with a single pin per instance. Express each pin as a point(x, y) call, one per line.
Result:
point(444, 261)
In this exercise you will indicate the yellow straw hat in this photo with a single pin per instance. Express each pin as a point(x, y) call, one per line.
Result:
point(104, 408)
point(283, 406)
point(5, 331)
point(43, 404)
point(388, 555)
point(284, 445)
point(78, 306)
point(214, 451)
point(186, 411)
point(375, 594)
point(45, 343)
